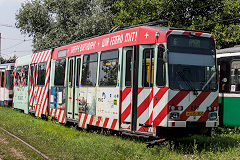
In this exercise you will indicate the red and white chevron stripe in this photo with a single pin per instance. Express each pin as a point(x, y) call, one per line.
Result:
point(186, 99)
point(39, 94)
point(85, 119)
point(126, 108)
point(144, 108)
point(59, 114)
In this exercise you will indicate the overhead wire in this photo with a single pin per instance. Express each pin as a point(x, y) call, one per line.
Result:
point(8, 25)
point(17, 44)
point(16, 39)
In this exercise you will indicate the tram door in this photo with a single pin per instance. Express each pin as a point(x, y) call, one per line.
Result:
point(137, 88)
point(145, 88)
point(70, 89)
point(77, 85)
point(32, 92)
point(126, 96)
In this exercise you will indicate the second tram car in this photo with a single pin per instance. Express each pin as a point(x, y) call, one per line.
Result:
point(6, 84)
point(142, 80)
point(229, 68)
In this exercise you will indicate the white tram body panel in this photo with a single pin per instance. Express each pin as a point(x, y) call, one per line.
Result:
point(6, 85)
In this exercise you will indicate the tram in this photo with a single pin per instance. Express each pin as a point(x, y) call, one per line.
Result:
point(21, 83)
point(229, 97)
point(6, 84)
point(141, 80)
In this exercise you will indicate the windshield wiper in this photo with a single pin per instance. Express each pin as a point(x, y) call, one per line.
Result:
point(209, 80)
point(187, 82)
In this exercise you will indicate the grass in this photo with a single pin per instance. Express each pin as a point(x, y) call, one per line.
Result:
point(10, 148)
point(61, 142)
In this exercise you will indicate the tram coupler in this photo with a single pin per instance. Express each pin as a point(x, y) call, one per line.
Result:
point(155, 142)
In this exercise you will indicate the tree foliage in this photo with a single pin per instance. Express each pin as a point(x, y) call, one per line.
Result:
point(57, 22)
point(220, 17)
point(9, 60)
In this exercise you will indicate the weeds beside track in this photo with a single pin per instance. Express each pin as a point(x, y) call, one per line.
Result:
point(61, 142)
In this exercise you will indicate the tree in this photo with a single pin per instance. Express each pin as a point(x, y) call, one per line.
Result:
point(9, 60)
point(57, 22)
point(220, 17)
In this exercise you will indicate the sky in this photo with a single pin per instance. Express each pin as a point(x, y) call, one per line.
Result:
point(12, 42)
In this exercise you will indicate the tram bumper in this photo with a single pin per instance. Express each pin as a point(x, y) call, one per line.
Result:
point(7, 103)
point(190, 124)
point(184, 128)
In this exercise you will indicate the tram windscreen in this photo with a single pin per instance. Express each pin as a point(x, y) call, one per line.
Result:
point(192, 63)
point(9, 79)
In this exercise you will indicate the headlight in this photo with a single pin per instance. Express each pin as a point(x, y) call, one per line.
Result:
point(212, 116)
point(209, 109)
point(172, 108)
point(174, 116)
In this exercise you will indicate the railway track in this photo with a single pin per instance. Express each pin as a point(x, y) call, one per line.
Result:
point(27, 144)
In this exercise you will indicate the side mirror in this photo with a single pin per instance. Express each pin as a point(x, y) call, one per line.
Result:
point(224, 80)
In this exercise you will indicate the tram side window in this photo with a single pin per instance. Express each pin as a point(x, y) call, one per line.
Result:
point(31, 75)
point(128, 77)
point(9, 79)
point(161, 75)
point(41, 73)
point(89, 70)
point(71, 73)
point(2, 79)
point(17, 78)
point(78, 71)
point(25, 76)
point(235, 76)
point(33, 69)
point(59, 72)
point(224, 66)
point(148, 67)
point(108, 68)
point(21, 75)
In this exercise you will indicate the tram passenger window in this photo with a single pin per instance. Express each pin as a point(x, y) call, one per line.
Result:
point(59, 72)
point(161, 75)
point(148, 67)
point(25, 76)
point(9, 79)
point(235, 76)
point(33, 72)
point(41, 73)
point(108, 68)
point(71, 73)
point(31, 75)
point(128, 77)
point(17, 78)
point(2, 79)
point(78, 71)
point(89, 70)
point(224, 87)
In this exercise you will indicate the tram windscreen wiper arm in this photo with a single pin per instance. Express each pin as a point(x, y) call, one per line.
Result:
point(209, 80)
point(187, 82)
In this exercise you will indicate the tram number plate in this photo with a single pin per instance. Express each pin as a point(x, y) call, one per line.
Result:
point(194, 114)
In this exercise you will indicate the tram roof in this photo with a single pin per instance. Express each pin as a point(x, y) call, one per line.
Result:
point(229, 52)
point(123, 38)
point(6, 64)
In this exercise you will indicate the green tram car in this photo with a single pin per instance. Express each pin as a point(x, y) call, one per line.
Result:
point(229, 86)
